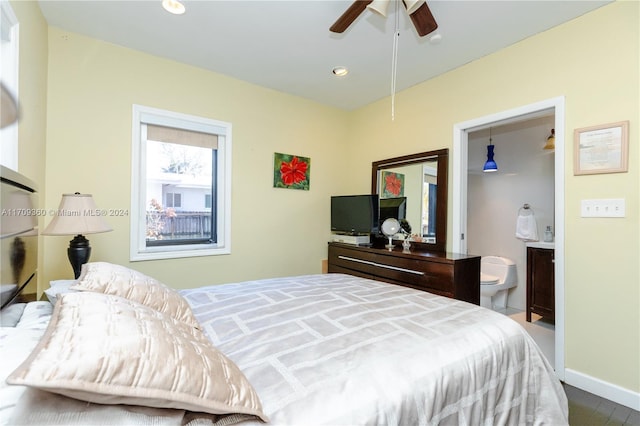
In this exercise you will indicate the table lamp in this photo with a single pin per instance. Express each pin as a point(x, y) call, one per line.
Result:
point(77, 215)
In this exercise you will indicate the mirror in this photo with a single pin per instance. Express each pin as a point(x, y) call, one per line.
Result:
point(422, 179)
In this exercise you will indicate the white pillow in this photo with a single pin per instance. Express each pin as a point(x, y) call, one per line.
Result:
point(57, 288)
point(109, 350)
point(118, 280)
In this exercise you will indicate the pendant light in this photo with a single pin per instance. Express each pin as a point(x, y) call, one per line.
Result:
point(551, 140)
point(490, 165)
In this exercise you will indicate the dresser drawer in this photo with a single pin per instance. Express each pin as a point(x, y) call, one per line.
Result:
point(404, 269)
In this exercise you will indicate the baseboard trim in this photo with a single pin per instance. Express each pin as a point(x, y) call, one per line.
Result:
point(603, 389)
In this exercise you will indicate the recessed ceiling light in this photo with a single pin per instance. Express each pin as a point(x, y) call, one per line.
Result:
point(173, 6)
point(340, 71)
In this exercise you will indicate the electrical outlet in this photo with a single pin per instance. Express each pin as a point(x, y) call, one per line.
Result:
point(611, 207)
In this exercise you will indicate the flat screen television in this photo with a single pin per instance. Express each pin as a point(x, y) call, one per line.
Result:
point(355, 214)
point(393, 207)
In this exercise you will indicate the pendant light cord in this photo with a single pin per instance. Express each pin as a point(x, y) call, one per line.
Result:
point(394, 60)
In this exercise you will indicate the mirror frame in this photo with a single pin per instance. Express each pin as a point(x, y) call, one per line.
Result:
point(442, 158)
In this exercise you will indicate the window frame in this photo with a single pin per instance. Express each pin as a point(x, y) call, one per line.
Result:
point(139, 251)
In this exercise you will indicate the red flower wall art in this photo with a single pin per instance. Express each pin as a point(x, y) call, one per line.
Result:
point(291, 171)
point(392, 185)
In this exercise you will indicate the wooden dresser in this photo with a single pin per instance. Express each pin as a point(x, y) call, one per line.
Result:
point(447, 274)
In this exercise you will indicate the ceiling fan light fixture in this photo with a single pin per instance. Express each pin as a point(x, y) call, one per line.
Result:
point(340, 71)
point(436, 38)
point(173, 6)
point(413, 5)
point(379, 6)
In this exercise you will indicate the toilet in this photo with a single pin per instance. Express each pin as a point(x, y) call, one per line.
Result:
point(497, 276)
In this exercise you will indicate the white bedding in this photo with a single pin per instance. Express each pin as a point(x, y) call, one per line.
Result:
point(340, 350)
point(28, 324)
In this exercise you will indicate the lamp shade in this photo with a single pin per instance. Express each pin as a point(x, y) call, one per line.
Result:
point(77, 214)
point(8, 107)
point(551, 140)
point(379, 6)
point(413, 5)
point(490, 165)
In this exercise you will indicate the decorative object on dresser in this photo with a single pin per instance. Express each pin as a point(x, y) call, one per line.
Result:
point(540, 282)
point(405, 227)
point(389, 228)
point(447, 274)
point(77, 215)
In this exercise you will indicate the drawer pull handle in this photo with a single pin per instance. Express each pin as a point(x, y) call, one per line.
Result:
point(381, 265)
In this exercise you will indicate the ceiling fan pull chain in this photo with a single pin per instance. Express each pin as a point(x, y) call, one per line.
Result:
point(394, 61)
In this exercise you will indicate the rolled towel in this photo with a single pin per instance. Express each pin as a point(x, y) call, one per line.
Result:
point(527, 228)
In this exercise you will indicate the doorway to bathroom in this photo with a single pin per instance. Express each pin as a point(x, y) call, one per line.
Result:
point(486, 205)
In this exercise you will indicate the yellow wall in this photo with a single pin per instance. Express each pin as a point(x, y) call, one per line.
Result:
point(275, 232)
point(33, 101)
point(594, 62)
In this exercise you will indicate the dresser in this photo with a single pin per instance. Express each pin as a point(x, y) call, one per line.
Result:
point(446, 274)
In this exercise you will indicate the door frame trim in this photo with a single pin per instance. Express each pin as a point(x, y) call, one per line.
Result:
point(459, 195)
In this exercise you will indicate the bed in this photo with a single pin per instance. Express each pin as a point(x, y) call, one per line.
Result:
point(327, 349)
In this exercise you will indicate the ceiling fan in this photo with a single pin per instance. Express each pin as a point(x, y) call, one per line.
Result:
point(418, 11)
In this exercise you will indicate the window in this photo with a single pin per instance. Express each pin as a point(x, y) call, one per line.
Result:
point(174, 200)
point(9, 77)
point(181, 185)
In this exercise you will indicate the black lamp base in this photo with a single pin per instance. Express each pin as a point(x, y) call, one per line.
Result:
point(79, 253)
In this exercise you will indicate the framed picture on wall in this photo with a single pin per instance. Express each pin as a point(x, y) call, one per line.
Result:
point(601, 149)
point(392, 185)
point(291, 171)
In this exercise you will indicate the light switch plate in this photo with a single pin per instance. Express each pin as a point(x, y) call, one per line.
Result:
point(609, 207)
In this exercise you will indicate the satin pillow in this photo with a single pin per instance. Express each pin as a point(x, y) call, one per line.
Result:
point(108, 350)
point(118, 280)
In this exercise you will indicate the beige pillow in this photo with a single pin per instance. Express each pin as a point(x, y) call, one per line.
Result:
point(109, 350)
point(118, 280)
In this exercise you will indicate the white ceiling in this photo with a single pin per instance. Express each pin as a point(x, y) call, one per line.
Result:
point(287, 45)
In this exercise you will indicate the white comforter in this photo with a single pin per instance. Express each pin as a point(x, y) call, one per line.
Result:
point(340, 350)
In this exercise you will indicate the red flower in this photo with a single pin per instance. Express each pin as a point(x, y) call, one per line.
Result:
point(393, 184)
point(293, 172)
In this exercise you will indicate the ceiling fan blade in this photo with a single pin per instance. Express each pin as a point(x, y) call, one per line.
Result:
point(350, 15)
point(423, 20)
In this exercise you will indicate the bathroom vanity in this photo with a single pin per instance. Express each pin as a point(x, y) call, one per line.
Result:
point(540, 280)
point(447, 274)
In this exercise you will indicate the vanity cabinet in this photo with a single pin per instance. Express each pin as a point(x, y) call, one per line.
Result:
point(446, 274)
point(540, 283)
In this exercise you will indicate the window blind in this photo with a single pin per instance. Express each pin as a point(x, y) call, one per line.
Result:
point(181, 136)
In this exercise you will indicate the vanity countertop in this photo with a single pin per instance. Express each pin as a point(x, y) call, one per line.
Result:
point(541, 244)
